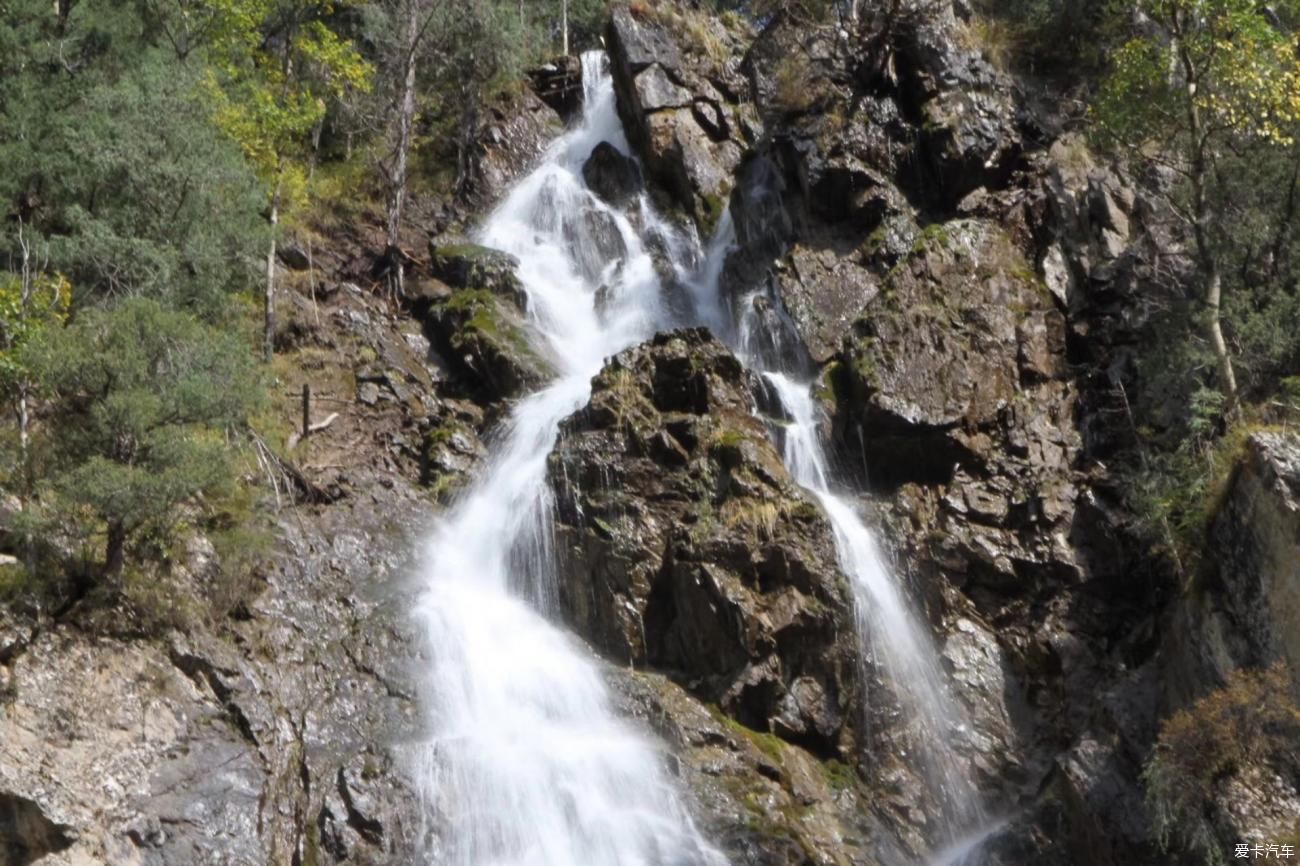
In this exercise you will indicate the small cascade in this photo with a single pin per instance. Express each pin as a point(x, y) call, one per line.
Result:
point(897, 639)
point(528, 765)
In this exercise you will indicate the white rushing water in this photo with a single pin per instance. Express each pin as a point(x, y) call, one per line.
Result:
point(894, 634)
point(528, 764)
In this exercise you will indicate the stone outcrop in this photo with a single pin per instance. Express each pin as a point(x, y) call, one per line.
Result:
point(682, 101)
point(686, 545)
point(473, 313)
point(1248, 597)
point(252, 746)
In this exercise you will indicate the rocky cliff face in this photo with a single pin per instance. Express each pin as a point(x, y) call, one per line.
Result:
point(964, 279)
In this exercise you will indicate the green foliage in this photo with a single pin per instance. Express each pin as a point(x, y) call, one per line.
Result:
point(276, 63)
point(1177, 491)
point(108, 152)
point(29, 304)
point(145, 397)
point(1245, 70)
point(1252, 721)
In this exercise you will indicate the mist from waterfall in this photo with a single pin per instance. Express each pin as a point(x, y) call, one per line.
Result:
point(527, 763)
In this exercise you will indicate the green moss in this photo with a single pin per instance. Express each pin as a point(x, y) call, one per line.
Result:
point(933, 236)
point(311, 845)
point(769, 744)
point(826, 391)
point(442, 486)
point(862, 362)
point(469, 301)
point(839, 775)
point(727, 437)
point(714, 205)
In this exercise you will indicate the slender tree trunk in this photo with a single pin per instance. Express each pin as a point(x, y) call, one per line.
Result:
point(1203, 216)
point(564, 25)
point(115, 549)
point(268, 335)
point(405, 125)
point(28, 288)
point(24, 445)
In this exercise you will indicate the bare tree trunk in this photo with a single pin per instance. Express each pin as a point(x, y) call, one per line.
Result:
point(564, 26)
point(27, 289)
point(268, 308)
point(1202, 212)
point(405, 125)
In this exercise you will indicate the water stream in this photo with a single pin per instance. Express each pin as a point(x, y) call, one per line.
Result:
point(528, 764)
point(888, 624)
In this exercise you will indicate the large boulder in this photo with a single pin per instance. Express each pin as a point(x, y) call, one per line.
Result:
point(961, 329)
point(611, 175)
point(681, 101)
point(686, 545)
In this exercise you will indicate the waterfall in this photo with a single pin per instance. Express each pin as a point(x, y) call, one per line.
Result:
point(892, 631)
point(527, 763)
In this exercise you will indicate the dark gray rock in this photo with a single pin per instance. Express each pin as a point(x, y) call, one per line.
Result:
point(686, 545)
point(613, 177)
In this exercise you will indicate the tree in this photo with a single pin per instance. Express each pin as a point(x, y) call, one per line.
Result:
point(279, 62)
point(418, 37)
point(109, 155)
point(142, 400)
point(1202, 79)
point(30, 302)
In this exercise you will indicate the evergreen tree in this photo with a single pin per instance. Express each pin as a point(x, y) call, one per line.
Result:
point(144, 398)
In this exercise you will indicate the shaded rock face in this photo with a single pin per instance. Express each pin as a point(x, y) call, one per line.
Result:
point(963, 346)
point(558, 83)
point(687, 546)
point(615, 178)
point(26, 834)
point(1246, 615)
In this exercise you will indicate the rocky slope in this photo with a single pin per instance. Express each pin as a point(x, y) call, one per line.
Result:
point(965, 280)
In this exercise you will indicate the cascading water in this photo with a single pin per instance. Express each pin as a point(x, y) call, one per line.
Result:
point(528, 764)
point(892, 632)
point(885, 618)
